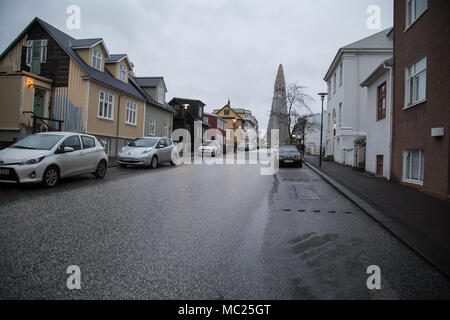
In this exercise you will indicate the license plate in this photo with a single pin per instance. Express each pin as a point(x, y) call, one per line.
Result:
point(289, 161)
point(4, 171)
point(128, 159)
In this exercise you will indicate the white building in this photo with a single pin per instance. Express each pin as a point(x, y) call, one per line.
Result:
point(312, 133)
point(379, 119)
point(346, 121)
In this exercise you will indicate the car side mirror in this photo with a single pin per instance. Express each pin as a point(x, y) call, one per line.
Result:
point(68, 149)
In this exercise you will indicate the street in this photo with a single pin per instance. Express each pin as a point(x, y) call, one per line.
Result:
point(201, 232)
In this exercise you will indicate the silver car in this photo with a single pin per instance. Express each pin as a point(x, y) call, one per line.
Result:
point(47, 157)
point(146, 151)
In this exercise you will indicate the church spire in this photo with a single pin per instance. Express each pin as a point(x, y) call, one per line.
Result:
point(280, 82)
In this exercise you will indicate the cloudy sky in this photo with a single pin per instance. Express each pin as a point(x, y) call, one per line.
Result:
point(213, 50)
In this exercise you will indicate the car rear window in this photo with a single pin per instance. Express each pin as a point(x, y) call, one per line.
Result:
point(88, 142)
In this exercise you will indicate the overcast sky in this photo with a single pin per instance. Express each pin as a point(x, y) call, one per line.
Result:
point(213, 50)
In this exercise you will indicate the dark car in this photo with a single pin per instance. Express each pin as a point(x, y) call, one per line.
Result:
point(289, 155)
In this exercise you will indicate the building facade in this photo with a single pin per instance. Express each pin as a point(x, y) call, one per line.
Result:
point(158, 115)
point(311, 134)
point(379, 119)
point(217, 128)
point(421, 117)
point(346, 120)
point(51, 81)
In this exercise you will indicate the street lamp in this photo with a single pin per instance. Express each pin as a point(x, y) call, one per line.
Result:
point(322, 96)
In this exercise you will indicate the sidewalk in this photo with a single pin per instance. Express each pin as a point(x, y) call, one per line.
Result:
point(420, 220)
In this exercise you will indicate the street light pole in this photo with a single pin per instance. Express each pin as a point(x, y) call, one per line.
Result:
point(322, 96)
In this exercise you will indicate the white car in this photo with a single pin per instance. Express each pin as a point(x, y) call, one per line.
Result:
point(210, 148)
point(47, 157)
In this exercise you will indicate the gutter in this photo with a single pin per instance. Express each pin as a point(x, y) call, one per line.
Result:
point(391, 120)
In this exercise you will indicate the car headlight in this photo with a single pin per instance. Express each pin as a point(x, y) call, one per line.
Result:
point(147, 150)
point(34, 160)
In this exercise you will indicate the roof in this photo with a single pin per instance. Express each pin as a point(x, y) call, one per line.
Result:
point(150, 82)
point(65, 41)
point(85, 43)
point(380, 41)
point(181, 101)
point(115, 58)
point(149, 98)
point(378, 72)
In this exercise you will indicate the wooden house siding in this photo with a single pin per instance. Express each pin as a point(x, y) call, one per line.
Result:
point(11, 62)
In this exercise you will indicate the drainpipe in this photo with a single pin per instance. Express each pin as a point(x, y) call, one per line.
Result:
point(391, 71)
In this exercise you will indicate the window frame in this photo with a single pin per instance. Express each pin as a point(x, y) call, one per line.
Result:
point(151, 122)
point(97, 56)
point(412, 81)
point(87, 137)
point(421, 166)
point(42, 51)
point(122, 72)
point(412, 5)
point(70, 137)
point(106, 96)
point(381, 114)
point(165, 128)
point(341, 74)
point(131, 108)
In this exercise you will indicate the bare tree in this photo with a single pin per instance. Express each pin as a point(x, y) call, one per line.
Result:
point(298, 103)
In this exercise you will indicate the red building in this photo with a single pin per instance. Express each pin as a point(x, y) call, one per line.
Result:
point(421, 106)
point(218, 126)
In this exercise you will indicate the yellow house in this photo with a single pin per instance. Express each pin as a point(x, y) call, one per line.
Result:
point(51, 81)
point(233, 120)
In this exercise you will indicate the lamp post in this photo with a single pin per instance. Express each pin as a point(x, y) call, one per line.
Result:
point(322, 96)
point(234, 136)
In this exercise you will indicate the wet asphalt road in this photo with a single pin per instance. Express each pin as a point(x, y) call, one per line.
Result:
point(201, 232)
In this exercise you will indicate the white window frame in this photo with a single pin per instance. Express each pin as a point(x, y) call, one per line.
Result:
point(340, 114)
point(131, 112)
point(161, 97)
point(97, 59)
point(166, 128)
point(109, 105)
point(329, 89)
point(334, 82)
point(412, 78)
point(341, 66)
point(151, 126)
point(43, 51)
point(411, 8)
point(122, 72)
point(421, 167)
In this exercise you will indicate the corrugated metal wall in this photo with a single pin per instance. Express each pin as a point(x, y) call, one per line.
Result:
point(63, 109)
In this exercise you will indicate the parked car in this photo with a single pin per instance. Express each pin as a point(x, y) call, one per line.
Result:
point(48, 157)
point(246, 146)
point(210, 148)
point(146, 151)
point(289, 155)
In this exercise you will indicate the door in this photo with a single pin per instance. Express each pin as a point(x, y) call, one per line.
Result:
point(380, 165)
point(89, 155)
point(70, 162)
point(39, 102)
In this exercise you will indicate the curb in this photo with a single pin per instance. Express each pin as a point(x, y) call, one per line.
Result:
point(409, 238)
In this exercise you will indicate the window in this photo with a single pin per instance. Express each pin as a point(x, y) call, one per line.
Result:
point(106, 106)
point(334, 83)
point(151, 126)
point(414, 9)
point(340, 74)
point(165, 128)
point(381, 101)
point(161, 96)
point(200, 112)
point(36, 54)
point(340, 114)
point(413, 166)
point(88, 142)
point(122, 72)
point(416, 82)
point(329, 89)
point(226, 112)
point(131, 112)
point(97, 59)
point(72, 142)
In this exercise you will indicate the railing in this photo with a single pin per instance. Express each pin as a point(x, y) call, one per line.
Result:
point(41, 124)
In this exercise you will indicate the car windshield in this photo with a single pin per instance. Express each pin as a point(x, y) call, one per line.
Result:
point(38, 142)
point(285, 149)
point(143, 142)
point(208, 143)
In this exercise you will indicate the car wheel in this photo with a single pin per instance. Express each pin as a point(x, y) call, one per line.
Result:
point(50, 177)
point(300, 165)
point(154, 163)
point(101, 169)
